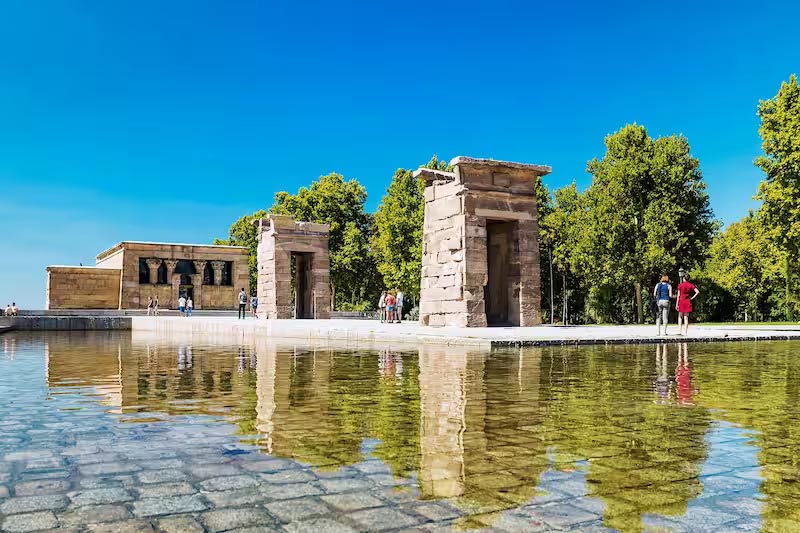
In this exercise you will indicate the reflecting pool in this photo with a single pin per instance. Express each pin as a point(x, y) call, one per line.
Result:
point(108, 432)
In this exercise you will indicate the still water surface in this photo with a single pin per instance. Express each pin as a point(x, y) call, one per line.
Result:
point(138, 432)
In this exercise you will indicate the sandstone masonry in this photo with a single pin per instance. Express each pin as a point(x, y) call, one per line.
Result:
point(480, 262)
point(294, 279)
point(128, 273)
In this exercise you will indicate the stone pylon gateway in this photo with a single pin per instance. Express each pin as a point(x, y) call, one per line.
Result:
point(480, 255)
point(294, 269)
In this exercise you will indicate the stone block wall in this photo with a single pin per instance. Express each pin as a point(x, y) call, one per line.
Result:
point(456, 250)
point(82, 288)
point(278, 238)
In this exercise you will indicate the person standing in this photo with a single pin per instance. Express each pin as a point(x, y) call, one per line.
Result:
point(663, 294)
point(686, 293)
point(242, 304)
point(390, 302)
point(155, 306)
point(14, 310)
point(399, 306)
point(189, 306)
point(149, 305)
point(182, 305)
point(254, 306)
point(382, 306)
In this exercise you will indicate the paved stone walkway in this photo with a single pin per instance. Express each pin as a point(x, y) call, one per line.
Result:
point(371, 332)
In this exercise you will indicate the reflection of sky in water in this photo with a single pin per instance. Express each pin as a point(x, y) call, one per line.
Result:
point(528, 438)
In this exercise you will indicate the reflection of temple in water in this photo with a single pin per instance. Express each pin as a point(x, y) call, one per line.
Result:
point(476, 427)
point(476, 412)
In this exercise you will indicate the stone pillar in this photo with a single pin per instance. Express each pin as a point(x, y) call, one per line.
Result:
point(153, 265)
point(174, 280)
point(217, 266)
point(460, 209)
point(197, 282)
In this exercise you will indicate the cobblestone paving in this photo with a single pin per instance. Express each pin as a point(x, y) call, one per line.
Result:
point(73, 459)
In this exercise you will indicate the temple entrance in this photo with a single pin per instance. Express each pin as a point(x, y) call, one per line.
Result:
point(301, 270)
point(185, 288)
point(499, 240)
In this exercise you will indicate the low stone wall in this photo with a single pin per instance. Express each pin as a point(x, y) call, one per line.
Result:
point(83, 287)
point(66, 323)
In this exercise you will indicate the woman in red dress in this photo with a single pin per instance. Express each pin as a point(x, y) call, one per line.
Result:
point(686, 293)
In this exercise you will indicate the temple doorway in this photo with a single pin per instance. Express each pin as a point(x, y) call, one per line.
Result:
point(302, 293)
point(186, 289)
point(499, 241)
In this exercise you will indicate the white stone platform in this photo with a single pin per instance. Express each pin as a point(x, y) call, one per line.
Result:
point(375, 333)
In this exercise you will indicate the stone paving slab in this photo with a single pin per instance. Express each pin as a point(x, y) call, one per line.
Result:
point(366, 333)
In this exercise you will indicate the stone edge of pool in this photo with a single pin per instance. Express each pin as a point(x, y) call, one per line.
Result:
point(370, 332)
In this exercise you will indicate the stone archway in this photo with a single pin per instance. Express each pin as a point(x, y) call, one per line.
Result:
point(294, 279)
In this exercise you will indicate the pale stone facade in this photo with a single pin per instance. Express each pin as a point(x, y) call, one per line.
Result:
point(480, 262)
point(127, 274)
point(284, 246)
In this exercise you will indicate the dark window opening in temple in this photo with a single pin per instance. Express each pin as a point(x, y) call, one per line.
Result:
point(185, 267)
point(208, 274)
point(144, 271)
point(162, 274)
point(227, 273)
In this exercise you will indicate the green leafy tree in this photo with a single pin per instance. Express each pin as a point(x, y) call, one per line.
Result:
point(397, 241)
point(563, 229)
point(780, 190)
point(748, 264)
point(648, 211)
point(339, 203)
point(244, 233)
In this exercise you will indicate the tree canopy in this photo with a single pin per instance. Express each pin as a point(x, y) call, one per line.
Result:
point(339, 203)
point(397, 239)
point(780, 189)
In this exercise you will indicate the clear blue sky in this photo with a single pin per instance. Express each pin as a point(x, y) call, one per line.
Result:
point(165, 121)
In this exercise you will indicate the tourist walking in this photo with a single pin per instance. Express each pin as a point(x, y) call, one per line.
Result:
point(254, 306)
point(382, 306)
point(182, 305)
point(686, 293)
point(390, 303)
point(399, 306)
point(149, 305)
point(189, 306)
point(155, 306)
point(242, 304)
point(662, 294)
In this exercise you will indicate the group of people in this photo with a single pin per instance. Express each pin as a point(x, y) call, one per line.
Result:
point(390, 306)
point(11, 309)
point(185, 305)
point(663, 296)
point(152, 306)
point(243, 305)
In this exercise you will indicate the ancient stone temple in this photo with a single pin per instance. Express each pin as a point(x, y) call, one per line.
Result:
point(294, 276)
point(127, 274)
point(480, 258)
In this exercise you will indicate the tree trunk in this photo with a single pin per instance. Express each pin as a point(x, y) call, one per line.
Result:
point(639, 311)
point(552, 304)
point(566, 313)
point(788, 303)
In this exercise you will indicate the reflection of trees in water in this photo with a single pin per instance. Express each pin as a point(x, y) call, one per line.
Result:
point(642, 457)
point(762, 394)
point(475, 428)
